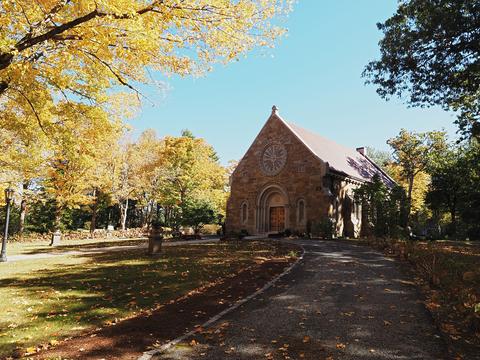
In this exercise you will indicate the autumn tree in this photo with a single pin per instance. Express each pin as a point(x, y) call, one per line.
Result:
point(59, 56)
point(62, 59)
point(76, 152)
point(189, 172)
point(102, 180)
point(430, 55)
point(23, 153)
point(75, 51)
point(122, 178)
point(144, 159)
point(419, 189)
point(413, 153)
point(22, 165)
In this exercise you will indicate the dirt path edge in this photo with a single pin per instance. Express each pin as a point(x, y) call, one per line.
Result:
point(148, 355)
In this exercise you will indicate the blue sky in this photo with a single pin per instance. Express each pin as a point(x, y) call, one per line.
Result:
point(313, 75)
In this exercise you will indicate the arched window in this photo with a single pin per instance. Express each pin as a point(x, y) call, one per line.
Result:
point(301, 211)
point(244, 213)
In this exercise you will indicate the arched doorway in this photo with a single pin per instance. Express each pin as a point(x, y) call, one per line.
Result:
point(272, 210)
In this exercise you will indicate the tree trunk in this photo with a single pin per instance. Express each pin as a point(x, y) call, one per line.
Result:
point(23, 210)
point(409, 197)
point(58, 218)
point(123, 214)
point(167, 215)
point(453, 214)
point(146, 215)
point(93, 222)
point(150, 213)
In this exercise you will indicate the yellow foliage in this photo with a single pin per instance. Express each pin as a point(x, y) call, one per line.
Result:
point(77, 162)
point(56, 52)
point(188, 168)
point(63, 63)
point(420, 186)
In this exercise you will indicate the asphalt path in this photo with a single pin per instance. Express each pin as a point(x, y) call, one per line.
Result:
point(343, 301)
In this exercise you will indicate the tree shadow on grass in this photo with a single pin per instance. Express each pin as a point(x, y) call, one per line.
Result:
point(115, 285)
point(85, 247)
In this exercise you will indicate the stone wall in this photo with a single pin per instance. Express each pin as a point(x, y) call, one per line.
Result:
point(300, 179)
point(303, 178)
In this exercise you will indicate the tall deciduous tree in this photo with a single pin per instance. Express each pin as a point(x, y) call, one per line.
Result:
point(77, 150)
point(23, 160)
point(413, 153)
point(419, 189)
point(455, 187)
point(381, 157)
point(430, 53)
point(383, 208)
point(188, 171)
point(122, 177)
point(145, 156)
point(446, 188)
point(77, 50)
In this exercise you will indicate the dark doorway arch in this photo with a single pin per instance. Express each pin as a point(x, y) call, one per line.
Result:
point(272, 210)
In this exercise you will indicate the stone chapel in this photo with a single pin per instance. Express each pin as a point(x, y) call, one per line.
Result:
point(291, 178)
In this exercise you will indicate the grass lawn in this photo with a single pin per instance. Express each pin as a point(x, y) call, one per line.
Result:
point(41, 246)
point(46, 300)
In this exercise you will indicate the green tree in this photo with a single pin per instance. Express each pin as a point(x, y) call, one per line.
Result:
point(469, 209)
point(383, 209)
point(197, 213)
point(187, 133)
point(380, 157)
point(430, 55)
point(455, 188)
point(446, 188)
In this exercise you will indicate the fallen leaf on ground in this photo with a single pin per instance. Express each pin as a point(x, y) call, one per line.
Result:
point(31, 350)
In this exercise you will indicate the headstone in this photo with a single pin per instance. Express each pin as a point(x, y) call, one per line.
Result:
point(56, 237)
point(155, 239)
point(110, 229)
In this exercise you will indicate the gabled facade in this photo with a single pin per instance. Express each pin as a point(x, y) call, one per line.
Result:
point(291, 178)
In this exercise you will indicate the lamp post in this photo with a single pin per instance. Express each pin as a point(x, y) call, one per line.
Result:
point(8, 199)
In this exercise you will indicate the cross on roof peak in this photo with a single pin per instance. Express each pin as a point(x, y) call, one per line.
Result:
point(274, 110)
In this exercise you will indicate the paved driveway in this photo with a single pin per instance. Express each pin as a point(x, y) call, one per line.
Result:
point(342, 302)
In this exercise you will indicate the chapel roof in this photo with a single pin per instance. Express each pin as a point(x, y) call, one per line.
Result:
point(340, 158)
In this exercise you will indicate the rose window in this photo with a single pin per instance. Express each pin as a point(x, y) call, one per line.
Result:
point(273, 159)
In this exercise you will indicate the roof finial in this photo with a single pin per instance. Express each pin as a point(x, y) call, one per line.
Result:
point(274, 110)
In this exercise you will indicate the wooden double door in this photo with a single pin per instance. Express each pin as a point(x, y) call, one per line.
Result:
point(277, 218)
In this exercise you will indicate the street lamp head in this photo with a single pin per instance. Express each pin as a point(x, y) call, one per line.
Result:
point(8, 194)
